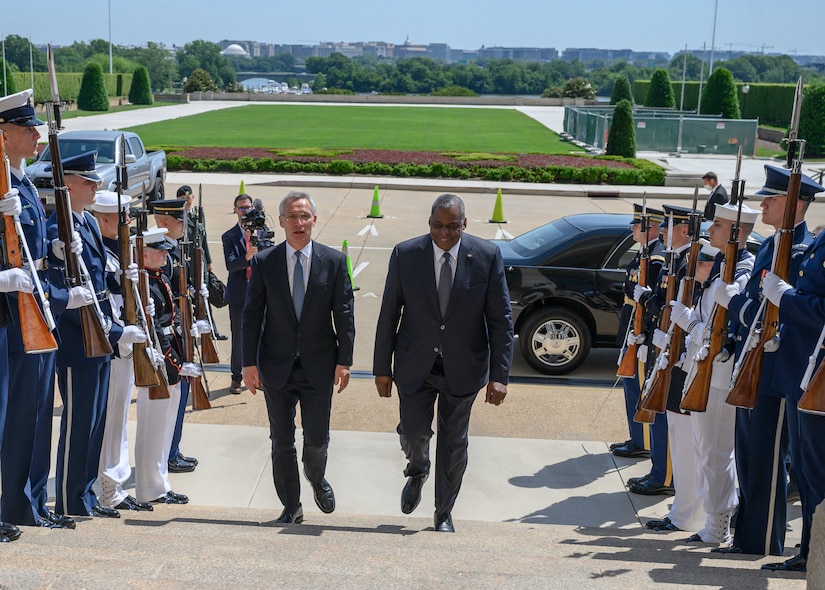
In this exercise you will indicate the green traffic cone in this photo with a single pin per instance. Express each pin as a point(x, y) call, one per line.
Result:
point(375, 210)
point(498, 210)
point(345, 250)
point(242, 190)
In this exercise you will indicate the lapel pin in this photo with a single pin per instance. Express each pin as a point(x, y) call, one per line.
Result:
point(469, 255)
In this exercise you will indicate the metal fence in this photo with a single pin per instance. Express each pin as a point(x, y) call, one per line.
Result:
point(658, 130)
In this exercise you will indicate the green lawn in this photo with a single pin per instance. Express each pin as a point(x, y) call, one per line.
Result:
point(364, 127)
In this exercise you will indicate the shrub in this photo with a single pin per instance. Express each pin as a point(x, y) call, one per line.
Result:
point(621, 140)
point(578, 88)
point(11, 87)
point(92, 95)
point(553, 92)
point(720, 96)
point(621, 91)
point(453, 90)
point(812, 120)
point(340, 167)
point(200, 81)
point(141, 90)
point(660, 92)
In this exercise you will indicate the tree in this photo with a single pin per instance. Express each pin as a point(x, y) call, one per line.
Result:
point(141, 90)
point(621, 91)
point(812, 120)
point(92, 95)
point(319, 83)
point(622, 138)
point(200, 81)
point(719, 95)
point(206, 56)
point(21, 54)
point(578, 88)
point(159, 64)
point(660, 92)
point(11, 87)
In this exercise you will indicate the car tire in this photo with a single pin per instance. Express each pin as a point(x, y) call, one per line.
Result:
point(159, 192)
point(554, 340)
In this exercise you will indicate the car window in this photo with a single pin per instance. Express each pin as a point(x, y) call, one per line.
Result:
point(587, 253)
point(623, 254)
point(550, 234)
point(71, 147)
point(137, 149)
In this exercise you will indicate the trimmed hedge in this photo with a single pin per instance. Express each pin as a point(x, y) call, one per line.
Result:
point(69, 85)
point(645, 173)
point(93, 95)
point(621, 141)
point(812, 120)
point(141, 92)
point(660, 91)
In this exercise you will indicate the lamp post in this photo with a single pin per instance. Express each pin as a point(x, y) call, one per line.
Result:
point(110, 36)
point(745, 90)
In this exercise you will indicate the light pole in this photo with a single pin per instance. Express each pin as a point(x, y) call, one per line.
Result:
point(713, 37)
point(110, 36)
point(745, 90)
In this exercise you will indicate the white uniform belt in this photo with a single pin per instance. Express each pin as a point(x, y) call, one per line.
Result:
point(39, 264)
point(167, 330)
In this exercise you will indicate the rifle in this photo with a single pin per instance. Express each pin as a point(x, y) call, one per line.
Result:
point(200, 399)
point(160, 390)
point(813, 388)
point(209, 354)
point(697, 390)
point(628, 364)
point(36, 329)
point(92, 323)
point(743, 390)
point(145, 371)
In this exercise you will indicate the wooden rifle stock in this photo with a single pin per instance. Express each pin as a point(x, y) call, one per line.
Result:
point(209, 354)
point(35, 332)
point(656, 398)
point(813, 400)
point(161, 389)
point(200, 399)
point(145, 372)
point(629, 363)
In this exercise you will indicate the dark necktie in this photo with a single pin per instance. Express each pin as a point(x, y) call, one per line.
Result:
point(445, 283)
point(298, 285)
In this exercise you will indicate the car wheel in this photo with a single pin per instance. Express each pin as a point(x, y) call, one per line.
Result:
point(160, 192)
point(554, 341)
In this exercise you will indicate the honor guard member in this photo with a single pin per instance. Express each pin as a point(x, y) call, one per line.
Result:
point(169, 215)
point(156, 417)
point(762, 433)
point(638, 445)
point(713, 429)
point(114, 468)
point(25, 458)
point(802, 314)
point(660, 479)
point(83, 381)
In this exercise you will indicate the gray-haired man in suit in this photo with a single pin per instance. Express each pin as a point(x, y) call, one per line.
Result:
point(446, 317)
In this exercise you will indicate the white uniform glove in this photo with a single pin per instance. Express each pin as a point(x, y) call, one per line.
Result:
point(641, 352)
point(202, 326)
point(76, 246)
point(680, 314)
point(132, 335)
point(150, 308)
point(701, 354)
point(639, 291)
point(154, 356)
point(661, 362)
point(10, 204)
point(131, 273)
point(773, 288)
point(723, 293)
point(15, 279)
point(659, 339)
point(633, 339)
point(80, 297)
point(190, 370)
point(204, 292)
point(722, 357)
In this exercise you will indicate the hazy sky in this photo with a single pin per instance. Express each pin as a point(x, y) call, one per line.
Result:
point(641, 25)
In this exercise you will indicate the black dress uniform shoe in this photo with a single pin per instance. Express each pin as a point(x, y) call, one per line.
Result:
point(180, 466)
point(444, 523)
point(621, 444)
point(171, 497)
point(4, 539)
point(219, 336)
point(637, 480)
point(694, 538)
point(729, 550)
point(631, 451)
point(651, 488)
point(191, 460)
point(9, 531)
point(324, 496)
point(661, 525)
point(103, 512)
point(291, 516)
point(235, 388)
point(798, 563)
point(411, 494)
point(130, 503)
point(57, 521)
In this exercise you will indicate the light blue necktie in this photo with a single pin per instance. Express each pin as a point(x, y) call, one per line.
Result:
point(298, 289)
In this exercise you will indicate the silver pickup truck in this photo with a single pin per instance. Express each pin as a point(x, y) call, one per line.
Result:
point(146, 170)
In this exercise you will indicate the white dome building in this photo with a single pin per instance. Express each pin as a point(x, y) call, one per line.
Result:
point(235, 49)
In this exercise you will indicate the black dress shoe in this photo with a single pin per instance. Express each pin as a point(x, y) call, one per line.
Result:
point(444, 523)
point(291, 516)
point(180, 466)
point(694, 538)
point(621, 444)
point(661, 525)
point(103, 512)
point(651, 488)
point(631, 451)
point(219, 336)
point(4, 539)
point(730, 550)
point(798, 563)
point(57, 521)
point(9, 531)
point(324, 496)
point(637, 480)
point(411, 494)
point(235, 388)
point(191, 460)
point(130, 503)
point(171, 497)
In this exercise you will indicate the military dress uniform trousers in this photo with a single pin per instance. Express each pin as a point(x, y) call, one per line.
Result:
point(807, 444)
point(177, 434)
point(155, 426)
point(686, 512)
point(25, 457)
point(114, 468)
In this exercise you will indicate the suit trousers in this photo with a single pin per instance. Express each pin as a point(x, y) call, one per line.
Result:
point(84, 391)
point(115, 469)
point(25, 457)
point(315, 412)
point(235, 326)
point(761, 448)
point(153, 437)
point(415, 431)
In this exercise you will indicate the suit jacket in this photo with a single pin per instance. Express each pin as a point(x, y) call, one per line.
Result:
point(272, 335)
point(234, 253)
point(718, 196)
point(476, 335)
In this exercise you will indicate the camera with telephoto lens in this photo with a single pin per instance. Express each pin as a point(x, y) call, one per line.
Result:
point(260, 235)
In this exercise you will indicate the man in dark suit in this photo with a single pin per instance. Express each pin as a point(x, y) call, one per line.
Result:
point(237, 252)
point(718, 195)
point(298, 339)
point(446, 317)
